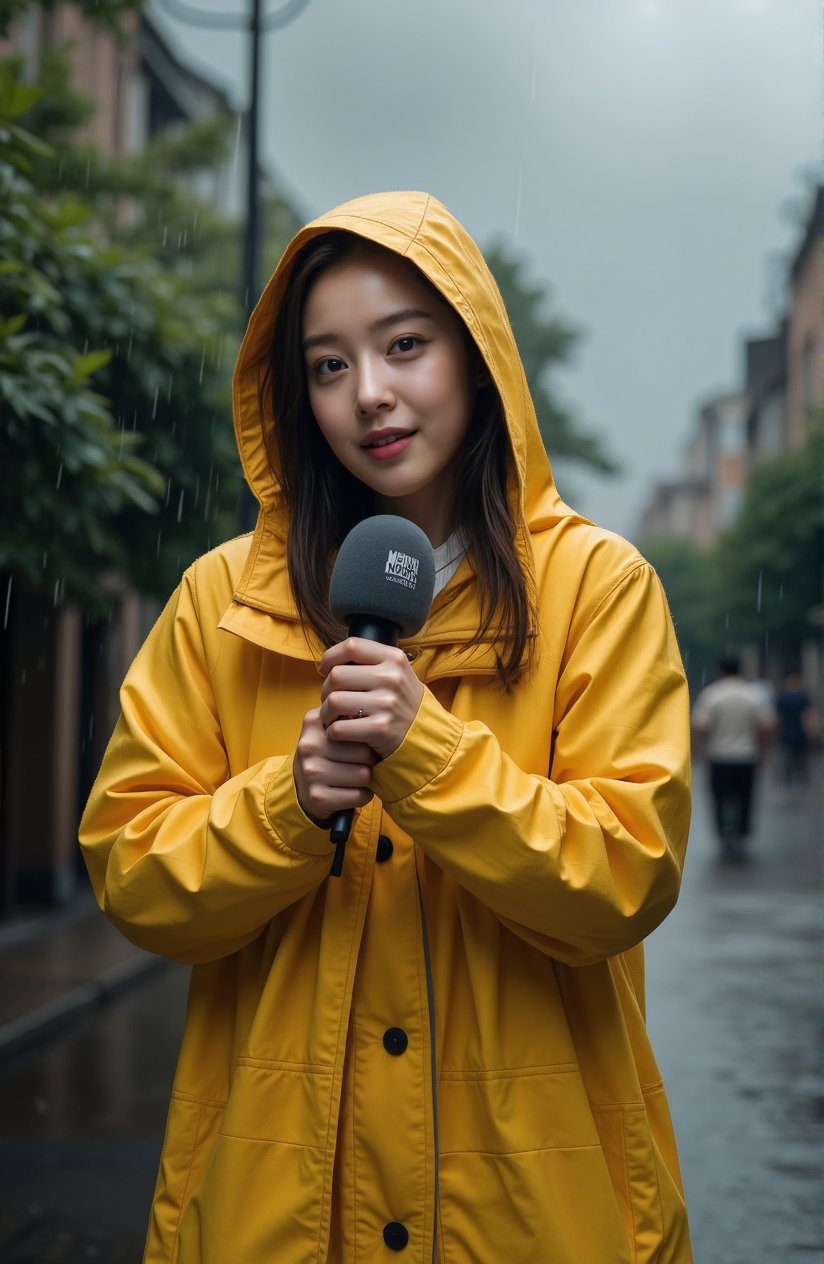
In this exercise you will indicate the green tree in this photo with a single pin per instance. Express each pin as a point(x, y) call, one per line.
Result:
point(65, 468)
point(66, 291)
point(689, 578)
point(545, 342)
point(769, 561)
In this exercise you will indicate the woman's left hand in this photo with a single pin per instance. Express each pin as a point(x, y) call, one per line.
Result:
point(374, 679)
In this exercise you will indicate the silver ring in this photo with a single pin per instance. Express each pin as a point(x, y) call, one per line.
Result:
point(360, 713)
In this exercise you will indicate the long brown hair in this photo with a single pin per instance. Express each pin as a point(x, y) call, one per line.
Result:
point(324, 500)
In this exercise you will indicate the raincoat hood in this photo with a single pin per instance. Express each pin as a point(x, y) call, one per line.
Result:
point(420, 228)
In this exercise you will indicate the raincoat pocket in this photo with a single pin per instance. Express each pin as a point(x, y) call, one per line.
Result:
point(647, 1194)
point(522, 1173)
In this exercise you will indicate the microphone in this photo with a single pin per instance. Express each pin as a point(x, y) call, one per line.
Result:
point(382, 585)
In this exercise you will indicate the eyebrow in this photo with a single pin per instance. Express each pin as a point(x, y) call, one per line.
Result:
point(394, 318)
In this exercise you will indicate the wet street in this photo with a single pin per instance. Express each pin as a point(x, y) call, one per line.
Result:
point(733, 1004)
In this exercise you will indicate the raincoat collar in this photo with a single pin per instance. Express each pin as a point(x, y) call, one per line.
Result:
point(418, 227)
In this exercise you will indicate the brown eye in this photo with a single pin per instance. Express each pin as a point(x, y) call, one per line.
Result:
point(408, 343)
point(330, 366)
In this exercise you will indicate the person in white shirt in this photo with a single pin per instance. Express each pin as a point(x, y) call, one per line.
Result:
point(732, 724)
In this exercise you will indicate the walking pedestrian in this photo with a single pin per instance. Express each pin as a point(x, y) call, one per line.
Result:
point(796, 726)
point(732, 725)
point(443, 1050)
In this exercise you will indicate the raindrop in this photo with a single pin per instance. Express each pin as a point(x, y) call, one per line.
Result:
point(197, 492)
point(518, 200)
point(165, 234)
point(202, 365)
point(23, 676)
point(781, 591)
point(237, 145)
point(169, 390)
point(88, 170)
point(760, 590)
point(8, 604)
point(154, 405)
point(168, 493)
point(159, 537)
point(45, 557)
point(727, 621)
point(185, 238)
point(59, 477)
point(180, 505)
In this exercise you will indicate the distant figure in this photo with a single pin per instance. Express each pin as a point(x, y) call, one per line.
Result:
point(795, 728)
point(732, 725)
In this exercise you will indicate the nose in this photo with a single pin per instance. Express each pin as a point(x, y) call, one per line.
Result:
point(374, 391)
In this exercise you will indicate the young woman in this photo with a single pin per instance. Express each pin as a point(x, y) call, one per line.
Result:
point(442, 1052)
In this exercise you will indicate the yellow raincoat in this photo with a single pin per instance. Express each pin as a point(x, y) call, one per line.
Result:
point(442, 1053)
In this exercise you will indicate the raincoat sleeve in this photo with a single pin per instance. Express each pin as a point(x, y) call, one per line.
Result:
point(585, 864)
point(184, 859)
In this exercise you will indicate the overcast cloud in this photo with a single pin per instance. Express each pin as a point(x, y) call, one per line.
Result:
point(640, 154)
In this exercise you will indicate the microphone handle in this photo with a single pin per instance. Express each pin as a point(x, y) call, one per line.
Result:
point(371, 628)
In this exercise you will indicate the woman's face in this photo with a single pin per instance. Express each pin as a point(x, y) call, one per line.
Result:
point(389, 383)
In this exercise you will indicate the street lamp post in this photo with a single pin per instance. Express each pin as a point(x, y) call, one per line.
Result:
point(252, 243)
point(258, 23)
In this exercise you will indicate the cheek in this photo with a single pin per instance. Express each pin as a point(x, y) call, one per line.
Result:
point(326, 414)
point(444, 383)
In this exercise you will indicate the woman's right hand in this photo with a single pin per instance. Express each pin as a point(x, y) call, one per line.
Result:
point(330, 776)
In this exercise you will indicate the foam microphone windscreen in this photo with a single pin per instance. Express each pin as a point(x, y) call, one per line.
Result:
point(385, 568)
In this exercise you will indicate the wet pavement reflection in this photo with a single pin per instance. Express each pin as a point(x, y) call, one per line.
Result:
point(82, 1122)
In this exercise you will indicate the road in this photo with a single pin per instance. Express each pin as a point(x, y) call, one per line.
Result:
point(733, 1002)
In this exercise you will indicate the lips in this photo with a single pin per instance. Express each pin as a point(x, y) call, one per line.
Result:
point(384, 445)
point(382, 438)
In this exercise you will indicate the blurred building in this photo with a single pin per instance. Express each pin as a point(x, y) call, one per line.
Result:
point(706, 498)
point(141, 88)
point(766, 388)
point(805, 328)
point(783, 382)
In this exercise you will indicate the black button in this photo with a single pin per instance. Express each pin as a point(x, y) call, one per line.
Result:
point(385, 849)
point(395, 1235)
point(395, 1041)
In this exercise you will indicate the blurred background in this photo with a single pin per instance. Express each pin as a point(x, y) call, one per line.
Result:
point(645, 180)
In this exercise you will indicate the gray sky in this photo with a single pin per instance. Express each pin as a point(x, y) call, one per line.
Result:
point(639, 154)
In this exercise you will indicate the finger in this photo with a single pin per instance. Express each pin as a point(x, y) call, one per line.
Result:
point(342, 705)
point(355, 752)
point(348, 676)
point(339, 775)
point(355, 649)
